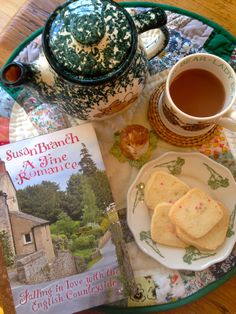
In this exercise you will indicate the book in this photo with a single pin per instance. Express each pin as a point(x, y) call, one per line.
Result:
point(61, 236)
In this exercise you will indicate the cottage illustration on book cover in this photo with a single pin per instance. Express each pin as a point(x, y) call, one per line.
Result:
point(54, 196)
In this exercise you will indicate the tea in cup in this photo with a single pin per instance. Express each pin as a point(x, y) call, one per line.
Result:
point(200, 92)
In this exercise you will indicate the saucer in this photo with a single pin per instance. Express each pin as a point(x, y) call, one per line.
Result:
point(168, 135)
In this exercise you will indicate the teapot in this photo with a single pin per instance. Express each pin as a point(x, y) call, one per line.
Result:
point(93, 63)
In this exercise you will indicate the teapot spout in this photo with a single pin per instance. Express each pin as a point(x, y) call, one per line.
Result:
point(15, 74)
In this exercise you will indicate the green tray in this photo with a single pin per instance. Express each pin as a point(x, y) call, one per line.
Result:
point(221, 43)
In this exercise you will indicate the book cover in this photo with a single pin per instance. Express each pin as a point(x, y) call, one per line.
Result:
point(57, 218)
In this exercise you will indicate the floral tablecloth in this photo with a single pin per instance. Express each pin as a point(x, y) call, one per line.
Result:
point(22, 116)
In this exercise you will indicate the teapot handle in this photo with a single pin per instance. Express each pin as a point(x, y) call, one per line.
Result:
point(154, 43)
point(154, 19)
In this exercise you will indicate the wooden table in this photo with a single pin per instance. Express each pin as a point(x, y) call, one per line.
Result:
point(32, 16)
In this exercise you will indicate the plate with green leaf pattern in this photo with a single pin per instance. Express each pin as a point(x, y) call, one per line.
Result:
point(197, 170)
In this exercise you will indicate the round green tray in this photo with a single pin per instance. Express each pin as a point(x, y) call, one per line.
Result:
point(231, 45)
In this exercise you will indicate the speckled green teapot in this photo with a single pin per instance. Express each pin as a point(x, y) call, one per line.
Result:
point(93, 64)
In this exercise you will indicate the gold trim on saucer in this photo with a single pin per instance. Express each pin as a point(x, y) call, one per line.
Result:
point(165, 133)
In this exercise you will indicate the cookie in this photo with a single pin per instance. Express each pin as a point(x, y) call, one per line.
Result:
point(213, 239)
point(163, 187)
point(162, 229)
point(196, 213)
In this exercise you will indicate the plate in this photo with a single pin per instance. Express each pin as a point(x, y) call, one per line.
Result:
point(197, 170)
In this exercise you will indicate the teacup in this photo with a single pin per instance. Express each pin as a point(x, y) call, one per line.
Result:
point(200, 91)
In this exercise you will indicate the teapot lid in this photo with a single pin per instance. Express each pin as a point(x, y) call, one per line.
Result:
point(89, 41)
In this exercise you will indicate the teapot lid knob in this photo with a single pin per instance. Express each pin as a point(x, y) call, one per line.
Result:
point(88, 28)
point(89, 40)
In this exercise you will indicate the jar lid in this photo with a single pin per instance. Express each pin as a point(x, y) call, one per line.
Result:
point(88, 39)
